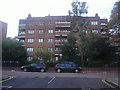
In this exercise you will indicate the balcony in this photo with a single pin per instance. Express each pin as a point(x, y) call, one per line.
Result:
point(61, 35)
point(62, 24)
point(21, 37)
point(21, 33)
point(62, 40)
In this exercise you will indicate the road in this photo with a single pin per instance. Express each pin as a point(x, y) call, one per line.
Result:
point(56, 80)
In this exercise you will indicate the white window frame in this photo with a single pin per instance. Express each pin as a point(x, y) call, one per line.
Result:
point(41, 23)
point(31, 31)
point(50, 22)
point(29, 58)
point(41, 31)
point(40, 40)
point(94, 22)
point(50, 31)
point(22, 41)
point(22, 24)
point(56, 49)
point(30, 49)
point(50, 40)
point(103, 24)
point(56, 58)
point(50, 49)
point(30, 40)
point(95, 31)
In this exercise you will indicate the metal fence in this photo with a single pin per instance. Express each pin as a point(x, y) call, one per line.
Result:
point(11, 63)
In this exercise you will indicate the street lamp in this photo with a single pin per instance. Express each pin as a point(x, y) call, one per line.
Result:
point(60, 56)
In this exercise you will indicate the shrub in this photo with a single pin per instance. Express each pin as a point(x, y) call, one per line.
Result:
point(96, 64)
point(115, 64)
point(51, 64)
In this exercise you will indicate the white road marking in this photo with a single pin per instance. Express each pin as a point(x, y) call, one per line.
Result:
point(51, 80)
point(6, 86)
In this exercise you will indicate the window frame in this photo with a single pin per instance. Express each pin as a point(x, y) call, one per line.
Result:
point(41, 40)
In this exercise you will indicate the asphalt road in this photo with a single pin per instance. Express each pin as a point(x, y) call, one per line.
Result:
point(56, 80)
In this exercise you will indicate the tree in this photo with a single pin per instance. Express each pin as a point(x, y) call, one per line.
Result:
point(79, 23)
point(115, 15)
point(13, 51)
point(78, 8)
point(43, 54)
point(96, 48)
point(69, 49)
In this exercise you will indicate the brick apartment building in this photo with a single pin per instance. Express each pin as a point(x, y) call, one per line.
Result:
point(49, 31)
point(3, 30)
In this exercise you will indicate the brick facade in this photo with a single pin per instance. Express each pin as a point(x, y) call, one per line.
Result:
point(48, 32)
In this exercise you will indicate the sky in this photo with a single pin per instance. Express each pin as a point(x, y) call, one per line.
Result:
point(13, 10)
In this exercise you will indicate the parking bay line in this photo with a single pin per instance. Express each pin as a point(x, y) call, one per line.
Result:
point(51, 80)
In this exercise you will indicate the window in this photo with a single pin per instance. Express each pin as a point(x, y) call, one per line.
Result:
point(30, 58)
point(41, 31)
point(56, 48)
point(41, 23)
point(68, 65)
point(33, 64)
point(50, 31)
point(94, 31)
point(30, 31)
point(56, 58)
point(40, 40)
point(63, 39)
point(50, 40)
point(29, 49)
point(103, 24)
point(50, 49)
point(30, 40)
point(30, 23)
point(22, 32)
point(51, 59)
point(94, 23)
point(22, 24)
point(40, 48)
point(50, 22)
point(22, 41)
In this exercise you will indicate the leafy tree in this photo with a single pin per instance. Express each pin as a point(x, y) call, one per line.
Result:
point(115, 15)
point(43, 54)
point(69, 49)
point(13, 51)
point(78, 22)
point(96, 48)
point(78, 8)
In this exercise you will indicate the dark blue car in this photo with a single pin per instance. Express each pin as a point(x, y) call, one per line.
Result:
point(34, 67)
point(67, 66)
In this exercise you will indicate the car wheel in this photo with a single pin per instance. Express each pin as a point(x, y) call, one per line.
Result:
point(25, 70)
point(76, 70)
point(58, 70)
point(42, 70)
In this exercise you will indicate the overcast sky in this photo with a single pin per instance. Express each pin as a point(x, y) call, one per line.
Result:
point(13, 10)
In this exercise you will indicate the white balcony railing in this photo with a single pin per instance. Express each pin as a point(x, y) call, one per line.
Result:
point(21, 36)
point(62, 22)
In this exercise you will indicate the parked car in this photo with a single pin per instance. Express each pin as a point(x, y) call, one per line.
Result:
point(67, 66)
point(34, 67)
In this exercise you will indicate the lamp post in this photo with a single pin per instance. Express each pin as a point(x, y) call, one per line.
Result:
point(60, 56)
